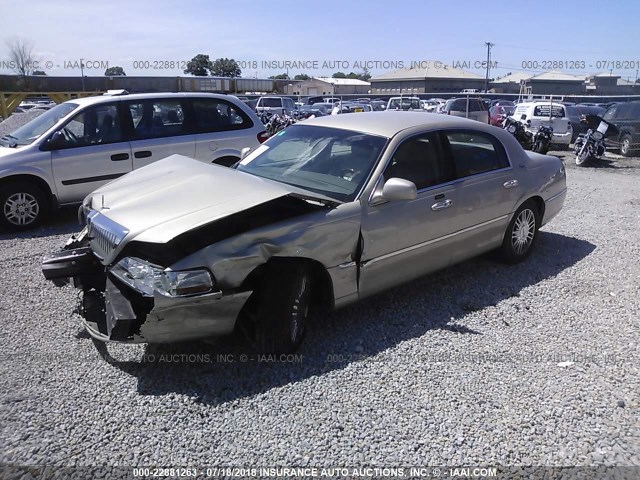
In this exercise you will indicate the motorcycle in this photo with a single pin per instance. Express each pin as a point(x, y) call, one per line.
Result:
point(542, 139)
point(518, 130)
point(591, 146)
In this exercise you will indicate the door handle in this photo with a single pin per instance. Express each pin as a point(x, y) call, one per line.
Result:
point(118, 157)
point(510, 184)
point(441, 205)
point(142, 154)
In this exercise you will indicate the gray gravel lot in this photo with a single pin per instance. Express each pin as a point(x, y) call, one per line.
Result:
point(483, 363)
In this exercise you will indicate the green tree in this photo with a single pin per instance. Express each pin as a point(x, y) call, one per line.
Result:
point(114, 72)
point(302, 76)
point(225, 67)
point(352, 75)
point(200, 66)
point(339, 75)
point(39, 72)
point(282, 76)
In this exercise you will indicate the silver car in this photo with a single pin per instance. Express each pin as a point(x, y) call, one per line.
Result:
point(324, 214)
point(72, 149)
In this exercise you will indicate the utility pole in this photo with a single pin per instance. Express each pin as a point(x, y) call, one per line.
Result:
point(82, 72)
point(486, 78)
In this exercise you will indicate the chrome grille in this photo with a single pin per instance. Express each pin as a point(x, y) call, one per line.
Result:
point(105, 234)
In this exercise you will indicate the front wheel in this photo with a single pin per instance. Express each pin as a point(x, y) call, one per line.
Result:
point(521, 233)
point(276, 322)
point(625, 146)
point(541, 146)
point(583, 156)
point(23, 206)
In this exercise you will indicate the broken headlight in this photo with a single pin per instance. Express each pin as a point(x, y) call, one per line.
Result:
point(146, 278)
point(185, 283)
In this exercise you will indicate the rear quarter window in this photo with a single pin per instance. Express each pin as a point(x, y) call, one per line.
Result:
point(213, 115)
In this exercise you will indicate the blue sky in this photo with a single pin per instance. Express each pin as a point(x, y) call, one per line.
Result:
point(294, 30)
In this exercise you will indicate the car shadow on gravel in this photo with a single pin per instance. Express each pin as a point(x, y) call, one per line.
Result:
point(61, 222)
point(224, 369)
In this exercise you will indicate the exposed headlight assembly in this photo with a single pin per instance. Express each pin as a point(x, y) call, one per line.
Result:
point(146, 278)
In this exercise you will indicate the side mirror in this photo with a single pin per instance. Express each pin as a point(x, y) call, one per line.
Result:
point(529, 122)
point(523, 117)
point(399, 189)
point(56, 141)
point(244, 152)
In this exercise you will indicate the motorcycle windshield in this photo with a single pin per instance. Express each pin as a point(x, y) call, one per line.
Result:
point(594, 122)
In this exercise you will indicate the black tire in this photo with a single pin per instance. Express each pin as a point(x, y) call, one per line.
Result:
point(625, 146)
point(279, 320)
point(521, 234)
point(23, 206)
point(541, 147)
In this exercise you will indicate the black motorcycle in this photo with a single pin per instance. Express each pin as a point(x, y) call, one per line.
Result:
point(518, 130)
point(590, 146)
point(542, 139)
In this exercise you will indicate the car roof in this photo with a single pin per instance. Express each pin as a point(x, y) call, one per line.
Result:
point(388, 124)
point(144, 96)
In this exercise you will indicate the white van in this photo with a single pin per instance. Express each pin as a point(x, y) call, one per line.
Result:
point(64, 154)
point(549, 114)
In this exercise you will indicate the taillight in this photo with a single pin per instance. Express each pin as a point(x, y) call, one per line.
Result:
point(263, 136)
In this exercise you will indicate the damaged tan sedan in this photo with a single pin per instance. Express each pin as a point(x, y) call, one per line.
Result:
point(324, 214)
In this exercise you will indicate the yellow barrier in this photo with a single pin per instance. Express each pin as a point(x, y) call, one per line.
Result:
point(9, 101)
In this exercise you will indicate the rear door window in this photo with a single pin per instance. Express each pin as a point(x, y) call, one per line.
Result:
point(216, 115)
point(157, 118)
point(475, 152)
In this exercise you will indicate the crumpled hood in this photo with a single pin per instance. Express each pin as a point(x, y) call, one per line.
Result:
point(174, 195)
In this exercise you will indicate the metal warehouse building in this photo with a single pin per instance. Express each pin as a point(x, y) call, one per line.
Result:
point(426, 80)
point(328, 86)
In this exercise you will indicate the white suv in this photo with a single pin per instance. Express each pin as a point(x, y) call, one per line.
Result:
point(69, 151)
point(553, 115)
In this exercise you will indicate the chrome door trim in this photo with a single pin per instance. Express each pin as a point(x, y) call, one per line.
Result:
point(430, 242)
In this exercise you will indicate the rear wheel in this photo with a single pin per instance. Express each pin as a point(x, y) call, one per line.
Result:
point(276, 321)
point(521, 233)
point(625, 145)
point(23, 206)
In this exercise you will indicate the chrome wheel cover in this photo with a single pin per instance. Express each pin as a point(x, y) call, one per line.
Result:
point(524, 229)
point(21, 208)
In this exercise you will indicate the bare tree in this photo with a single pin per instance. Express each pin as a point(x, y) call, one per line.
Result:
point(21, 56)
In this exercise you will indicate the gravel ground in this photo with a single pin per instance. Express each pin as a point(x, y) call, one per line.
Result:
point(16, 120)
point(483, 363)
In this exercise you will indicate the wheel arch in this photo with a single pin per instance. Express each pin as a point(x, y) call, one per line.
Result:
point(539, 203)
point(39, 182)
point(323, 296)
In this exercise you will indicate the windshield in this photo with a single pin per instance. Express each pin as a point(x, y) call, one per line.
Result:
point(332, 162)
point(35, 128)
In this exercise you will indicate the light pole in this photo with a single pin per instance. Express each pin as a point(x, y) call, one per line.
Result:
point(82, 72)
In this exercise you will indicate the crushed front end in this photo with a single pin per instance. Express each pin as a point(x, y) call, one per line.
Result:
point(130, 299)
